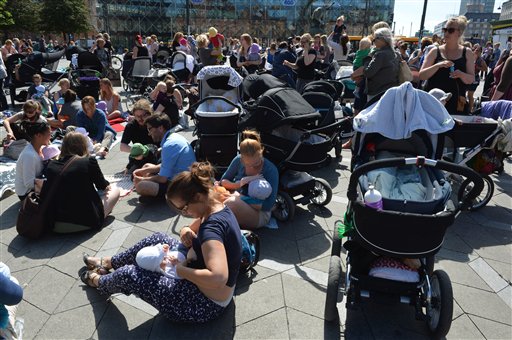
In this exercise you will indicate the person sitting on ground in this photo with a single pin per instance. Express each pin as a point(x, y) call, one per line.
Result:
point(111, 97)
point(69, 109)
point(250, 165)
point(42, 99)
point(139, 156)
point(37, 80)
point(30, 162)
point(58, 99)
point(11, 294)
point(31, 113)
point(208, 282)
point(83, 198)
point(169, 101)
point(160, 259)
point(176, 156)
point(96, 124)
point(135, 131)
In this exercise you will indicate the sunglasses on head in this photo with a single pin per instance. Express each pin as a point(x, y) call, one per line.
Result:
point(449, 30)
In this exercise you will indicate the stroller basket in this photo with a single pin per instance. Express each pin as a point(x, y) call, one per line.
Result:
point(399, 234)
point(473, 131)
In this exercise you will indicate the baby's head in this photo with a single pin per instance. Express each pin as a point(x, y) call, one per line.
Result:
point(50, 152)
point(152, 258)
point(365, 43)
point(139, 151)
point(259, 189)
point(440, 95)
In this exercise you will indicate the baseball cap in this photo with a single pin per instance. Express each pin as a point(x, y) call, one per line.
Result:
point(440, 95)
point(138, 149)
point(50, 151)
point(259, 189)
point(150, 258)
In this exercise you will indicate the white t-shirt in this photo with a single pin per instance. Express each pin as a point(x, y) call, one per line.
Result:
point(28, 167)
point(170, 269)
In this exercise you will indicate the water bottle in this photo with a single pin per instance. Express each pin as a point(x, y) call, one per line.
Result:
point(373, 198)
point(18, 327)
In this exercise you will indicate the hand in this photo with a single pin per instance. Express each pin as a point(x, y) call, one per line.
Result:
point(38, 185)
point(445, 64)
point(247, 179)
point(186, 236)
point(456, 74)
point(10, 136)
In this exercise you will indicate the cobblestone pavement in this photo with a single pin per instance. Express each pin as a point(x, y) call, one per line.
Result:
point(283, 299)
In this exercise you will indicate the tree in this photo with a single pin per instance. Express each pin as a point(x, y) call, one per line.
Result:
point(24, 14)
point(5, 15)
point(65, 16)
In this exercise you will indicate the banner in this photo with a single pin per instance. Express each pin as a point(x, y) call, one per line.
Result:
point(288, 2)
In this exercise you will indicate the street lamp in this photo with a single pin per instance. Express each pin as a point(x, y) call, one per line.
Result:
point(187, 16)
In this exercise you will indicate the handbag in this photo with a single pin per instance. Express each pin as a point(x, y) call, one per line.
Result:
point(404, 72)
point(33, 220)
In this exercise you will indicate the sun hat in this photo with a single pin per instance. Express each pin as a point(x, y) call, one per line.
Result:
point(212, 32)
point(183, 41)
point(50, 151)
point(40, 88)
point(82, 131)
point(139, 149)
point(150, 258)
point(259, 189)
point(440, 95)
point(101, 105)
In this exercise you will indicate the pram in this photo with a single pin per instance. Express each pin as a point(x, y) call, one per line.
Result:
point(289, 131)
point(181, 65)
point(138, 74)
point(474, 142)
point(85, 78)
point(30, 65)
point(216, 115)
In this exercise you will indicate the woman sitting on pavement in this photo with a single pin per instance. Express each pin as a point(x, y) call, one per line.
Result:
point(248, 166)
point(135, 131)
point(96, 124)
point(208, 275)
point(111, 97)
point(30, 162)
point(169, 101)
point(83, 198)
point(31, 113)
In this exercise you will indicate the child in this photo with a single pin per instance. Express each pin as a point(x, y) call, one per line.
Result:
point(140, 155)
point(160, 259)
point(49, 152)
point(216, 41)
point(364, 49)
point(37, 80)
point(339, 29)
point(184, 46)
point(58, 99)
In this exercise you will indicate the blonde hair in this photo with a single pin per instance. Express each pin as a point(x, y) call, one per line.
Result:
point(74, 143)
point(64, 81)
point(202, 40)
point(143, 105)
point(108, 83)
point(251, 144)
point(341, 17)
point(380, 24)
point(365, 43)
point(247, 38)
point(461, 22)
point(307, 36)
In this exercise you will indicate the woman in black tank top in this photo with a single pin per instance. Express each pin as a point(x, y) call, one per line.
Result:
point(450, 67)
point(139, 50)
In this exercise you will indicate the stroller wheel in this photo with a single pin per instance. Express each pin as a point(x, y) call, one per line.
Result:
point(284, 208)
point(117, 63)
point(322, 193)
point(334, 280)
point(482, 199)
point(336, 241)
point(440, 308)
point(126, 87)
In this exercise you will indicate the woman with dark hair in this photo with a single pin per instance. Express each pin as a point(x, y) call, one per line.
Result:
point(83, 197)
point(502, 88)
point(139, 50)
point(30, 161)
point(31, 113)
point(209, 274)
point(68, 110)
point(278, 69)
point(305, 64)
point(340, 50)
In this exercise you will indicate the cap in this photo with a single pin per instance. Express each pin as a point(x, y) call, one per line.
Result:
point(82, 130)
point(139, 149)
point(259, 189)
point(440, 95)
point(40, 88)
point(150, 258)
point(138, 38)
point(102, 105)
point(212, 32)
point(50, 151)
point(183, 41)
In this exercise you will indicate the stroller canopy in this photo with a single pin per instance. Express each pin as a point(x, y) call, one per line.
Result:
point(402, 110)
point(226, 77)
point(88, 60)
point(278, 107)
point(256, 84)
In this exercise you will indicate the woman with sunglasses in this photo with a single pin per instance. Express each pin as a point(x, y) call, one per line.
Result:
point(248, 166)
point(31, 113)
point(136, 131)
point(450, 67)
point(305, 64)
point(208, 275)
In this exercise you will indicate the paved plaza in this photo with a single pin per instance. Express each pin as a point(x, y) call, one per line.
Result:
point(283, 298)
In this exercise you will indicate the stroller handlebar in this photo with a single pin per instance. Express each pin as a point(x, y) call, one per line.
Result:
point(194, 107)
point(473, 176)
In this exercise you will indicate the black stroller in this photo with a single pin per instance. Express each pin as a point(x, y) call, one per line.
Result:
point(296, 141)
point(85, 78)
point(178, 65)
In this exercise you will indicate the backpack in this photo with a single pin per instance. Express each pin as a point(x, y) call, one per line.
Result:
point(250, 250)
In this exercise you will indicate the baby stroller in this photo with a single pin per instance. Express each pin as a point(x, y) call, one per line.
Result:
point(295, 143)
point(85, 78)
point(216, 115)
point(181, 66)
point(399, 160)
point(475, 143)
point(138, 74)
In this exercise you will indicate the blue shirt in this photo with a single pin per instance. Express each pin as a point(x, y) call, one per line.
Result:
point(177, 155)
point(95, 126)
point(236, 171)
point(278, 69)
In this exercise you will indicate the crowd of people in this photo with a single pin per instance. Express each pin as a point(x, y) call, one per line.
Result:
point(163, 164)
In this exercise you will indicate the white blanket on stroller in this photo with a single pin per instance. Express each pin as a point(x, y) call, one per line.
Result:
point(402, 110)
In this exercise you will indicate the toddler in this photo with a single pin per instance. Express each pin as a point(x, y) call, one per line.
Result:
point(216, 41)
point(139, 155)
point(364, 49)
point(339, 29)
point(160, 259)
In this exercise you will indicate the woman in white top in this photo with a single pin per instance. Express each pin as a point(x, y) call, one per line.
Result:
point(340, 50)
point(30, 161)
point(112, 98)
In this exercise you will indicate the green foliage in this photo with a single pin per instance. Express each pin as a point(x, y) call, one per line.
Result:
point(65, 16)
point(5, 15)
point(25, 15)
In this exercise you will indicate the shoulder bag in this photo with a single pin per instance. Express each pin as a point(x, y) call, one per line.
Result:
point(32, 220)
point(404, 72)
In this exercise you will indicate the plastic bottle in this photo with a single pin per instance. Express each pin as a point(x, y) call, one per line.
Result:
point(18, 327)
point(373, 198)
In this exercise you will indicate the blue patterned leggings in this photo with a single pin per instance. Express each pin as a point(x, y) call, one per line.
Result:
point(178, 300)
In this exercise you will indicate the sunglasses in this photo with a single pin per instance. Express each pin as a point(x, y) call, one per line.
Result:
point(449, 30)
point(182, 210)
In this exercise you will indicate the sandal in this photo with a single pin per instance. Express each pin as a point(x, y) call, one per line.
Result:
point(99, 268)
point(87, 276)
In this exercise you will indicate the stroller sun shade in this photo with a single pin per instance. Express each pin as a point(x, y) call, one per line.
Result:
point(277, 107)
point(257, 84)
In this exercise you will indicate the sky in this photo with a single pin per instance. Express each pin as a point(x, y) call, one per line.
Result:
point(409, 12)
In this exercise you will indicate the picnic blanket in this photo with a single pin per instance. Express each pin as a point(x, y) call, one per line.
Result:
point(122, 181)
point(7, 175)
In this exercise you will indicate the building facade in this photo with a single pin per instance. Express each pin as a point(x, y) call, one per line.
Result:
point(267, 19)
point(488, 6)
point(479, 29)
point(506, 11)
